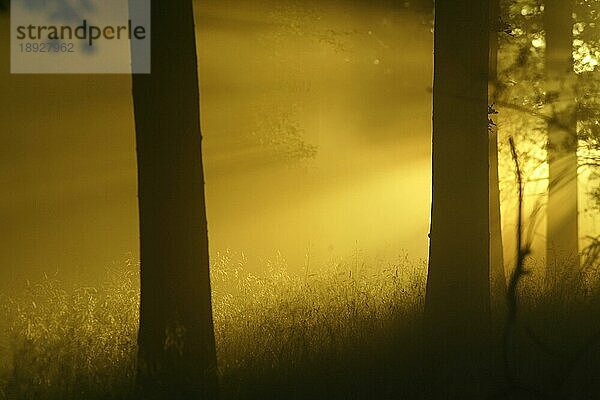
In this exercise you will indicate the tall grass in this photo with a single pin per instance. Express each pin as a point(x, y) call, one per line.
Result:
point(72, 342)
point(279, 334)
point(347, 329)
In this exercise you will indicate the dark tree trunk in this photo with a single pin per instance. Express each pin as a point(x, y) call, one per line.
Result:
point(457, 306)
point(176, 357)
point(562, 212)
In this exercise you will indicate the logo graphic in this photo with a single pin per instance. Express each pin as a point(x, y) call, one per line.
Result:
point(80, 36)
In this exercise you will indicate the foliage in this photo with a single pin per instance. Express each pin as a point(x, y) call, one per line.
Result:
point(526, 107)
point(281, 133)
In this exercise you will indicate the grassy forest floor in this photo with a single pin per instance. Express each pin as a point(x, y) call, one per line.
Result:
point(346, 330)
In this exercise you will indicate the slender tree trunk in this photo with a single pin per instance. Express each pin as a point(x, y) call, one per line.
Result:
point(497, 274)
point(176, 357)
point(562, 212)
point(457, 305)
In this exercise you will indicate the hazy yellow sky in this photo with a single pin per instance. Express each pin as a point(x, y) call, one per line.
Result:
point(351, 78)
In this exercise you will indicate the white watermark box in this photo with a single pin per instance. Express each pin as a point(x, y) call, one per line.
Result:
point(80, 36)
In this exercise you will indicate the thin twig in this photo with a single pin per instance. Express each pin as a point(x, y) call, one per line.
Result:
point(523, 249)
point(517, 274)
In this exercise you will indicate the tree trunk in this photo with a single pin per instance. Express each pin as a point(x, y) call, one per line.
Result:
point(562, 254)
point(457, 305)
point(176, 356)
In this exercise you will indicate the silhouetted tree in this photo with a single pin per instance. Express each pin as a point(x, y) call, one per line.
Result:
point(176, 358)
point(562, 210)
point(457, 306)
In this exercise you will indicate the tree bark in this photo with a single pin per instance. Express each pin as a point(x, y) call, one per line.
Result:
point(176, 356)
point(562, 253)
point(457, 305)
